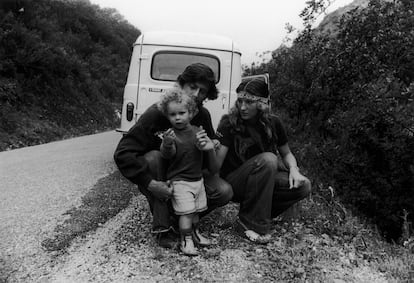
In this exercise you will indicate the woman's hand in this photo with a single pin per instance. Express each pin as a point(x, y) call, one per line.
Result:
point(295, 178)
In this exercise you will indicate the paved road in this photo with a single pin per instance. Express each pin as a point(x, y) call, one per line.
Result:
point(38, 184)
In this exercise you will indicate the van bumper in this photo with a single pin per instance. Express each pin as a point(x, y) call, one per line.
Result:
point(121, 131)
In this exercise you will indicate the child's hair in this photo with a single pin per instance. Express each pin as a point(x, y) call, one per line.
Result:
point(177, 95)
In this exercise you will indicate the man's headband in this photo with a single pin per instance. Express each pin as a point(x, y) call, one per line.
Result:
point(246, 95)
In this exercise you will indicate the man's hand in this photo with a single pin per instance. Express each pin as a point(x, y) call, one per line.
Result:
point(160, 190)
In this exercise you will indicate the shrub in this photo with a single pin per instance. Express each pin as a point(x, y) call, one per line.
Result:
point(350, 101)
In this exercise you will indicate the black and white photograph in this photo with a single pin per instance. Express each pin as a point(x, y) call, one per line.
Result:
point(206, 141)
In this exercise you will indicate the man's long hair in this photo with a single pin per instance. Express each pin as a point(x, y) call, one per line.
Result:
point(200, 73)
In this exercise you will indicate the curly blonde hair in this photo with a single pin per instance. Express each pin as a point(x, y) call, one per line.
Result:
point(177, 95)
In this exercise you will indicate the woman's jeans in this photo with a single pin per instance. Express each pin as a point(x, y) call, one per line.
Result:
point(263, 191)
point(218, 192)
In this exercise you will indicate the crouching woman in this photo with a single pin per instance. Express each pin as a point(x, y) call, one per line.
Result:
point(263, 185)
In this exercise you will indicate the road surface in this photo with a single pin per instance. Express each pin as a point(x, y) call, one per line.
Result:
point(37, 185)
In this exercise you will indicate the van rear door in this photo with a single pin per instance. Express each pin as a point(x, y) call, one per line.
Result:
point(161, 65)
point(220, 106)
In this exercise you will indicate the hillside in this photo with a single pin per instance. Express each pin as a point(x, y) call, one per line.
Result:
point(329, 24)
point(63, 66)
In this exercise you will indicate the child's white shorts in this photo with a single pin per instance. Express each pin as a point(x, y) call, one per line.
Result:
point(189, 197)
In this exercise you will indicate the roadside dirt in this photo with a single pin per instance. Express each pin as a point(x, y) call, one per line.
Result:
point(123, 250)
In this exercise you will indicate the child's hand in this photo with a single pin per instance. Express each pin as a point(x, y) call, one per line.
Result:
point(203, 141)
point(206, 145)
point(168, 137)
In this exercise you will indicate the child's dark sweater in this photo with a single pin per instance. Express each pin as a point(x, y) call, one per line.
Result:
point(144, 137)
point(186, 163)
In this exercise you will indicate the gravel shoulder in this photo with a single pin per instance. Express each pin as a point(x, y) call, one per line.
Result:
point(122, 250)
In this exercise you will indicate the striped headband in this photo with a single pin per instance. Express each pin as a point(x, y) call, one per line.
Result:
point(246, 95)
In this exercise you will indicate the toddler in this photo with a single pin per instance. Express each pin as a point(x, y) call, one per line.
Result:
point(183, 145)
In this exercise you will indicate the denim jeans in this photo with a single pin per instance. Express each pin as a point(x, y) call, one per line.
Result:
point(218, 191)
point(263, 191)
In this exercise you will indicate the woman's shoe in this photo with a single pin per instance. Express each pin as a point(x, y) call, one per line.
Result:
point(187, 246)
point(251, 235)
point(199, 239)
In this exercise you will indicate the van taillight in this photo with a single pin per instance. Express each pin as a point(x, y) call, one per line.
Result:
point(129, 111)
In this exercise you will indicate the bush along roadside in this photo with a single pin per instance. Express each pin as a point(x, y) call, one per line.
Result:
point(349, 99)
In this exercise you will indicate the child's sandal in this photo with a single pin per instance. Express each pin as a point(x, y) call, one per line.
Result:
point(187, 246)
point(251, 235)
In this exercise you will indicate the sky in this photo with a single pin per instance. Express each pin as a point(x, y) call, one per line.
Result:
point(256, 26)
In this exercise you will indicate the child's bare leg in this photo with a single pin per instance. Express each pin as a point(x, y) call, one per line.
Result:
point(186, 230)
point(197, 237)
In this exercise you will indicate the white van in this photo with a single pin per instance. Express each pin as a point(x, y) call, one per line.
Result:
point(159, 57)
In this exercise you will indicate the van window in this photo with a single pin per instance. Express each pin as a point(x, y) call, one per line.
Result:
point(166, 66)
